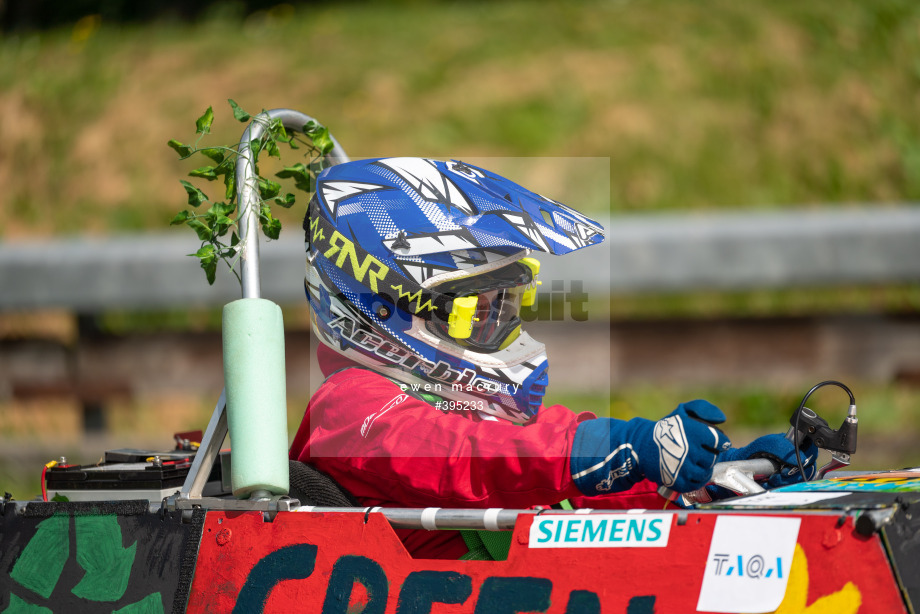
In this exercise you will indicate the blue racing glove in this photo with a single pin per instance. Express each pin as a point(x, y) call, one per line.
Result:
point(678, 451)
point(782, 452)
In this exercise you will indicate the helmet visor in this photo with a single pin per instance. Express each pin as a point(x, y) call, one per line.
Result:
point(498, 295)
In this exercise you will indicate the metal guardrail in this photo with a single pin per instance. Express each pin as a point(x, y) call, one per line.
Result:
point(736, 250)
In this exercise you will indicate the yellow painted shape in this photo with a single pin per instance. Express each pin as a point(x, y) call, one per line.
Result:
point(845, 601)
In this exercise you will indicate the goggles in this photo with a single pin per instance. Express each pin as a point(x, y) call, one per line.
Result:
point(486, 308)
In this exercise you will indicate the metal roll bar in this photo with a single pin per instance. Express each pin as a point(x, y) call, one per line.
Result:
point(247, 191)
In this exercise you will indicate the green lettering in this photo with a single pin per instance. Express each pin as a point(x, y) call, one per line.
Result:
point(346, 249)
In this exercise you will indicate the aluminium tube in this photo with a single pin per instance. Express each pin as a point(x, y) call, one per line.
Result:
point(247, 191)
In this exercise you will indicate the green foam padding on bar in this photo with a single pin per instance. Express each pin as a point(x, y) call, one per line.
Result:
point(253, 335)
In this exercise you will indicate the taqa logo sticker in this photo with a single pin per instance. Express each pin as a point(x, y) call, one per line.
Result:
point(600, 531)
point(753, 566)
point(748, 564)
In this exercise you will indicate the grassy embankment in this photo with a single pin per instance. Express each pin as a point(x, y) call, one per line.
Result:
point(698, 107)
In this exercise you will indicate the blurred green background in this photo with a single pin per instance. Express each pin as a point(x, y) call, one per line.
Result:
point(698, 106)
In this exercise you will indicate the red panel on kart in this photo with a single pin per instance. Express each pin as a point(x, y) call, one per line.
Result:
point(314, 562)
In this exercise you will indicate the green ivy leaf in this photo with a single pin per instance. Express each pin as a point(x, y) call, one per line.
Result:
point(238, 113)
point(203, 232)
point(303, 178)
point(278, 132)
point(268, 189)
point(229, 185)
point(195, 196)
point(205, 172)
point(271, 227)
point(265, 212)
point(203, 123)
point(222, 208)
point(208, 257)
point(222, 224)
point(319, 134)
point(207, 252)
point(219, 221)
point(225, 168)
point(215, 153)
point(183, 150)
point(210, 271)
point(304, 183)
point(292, 171)
point(322, 141)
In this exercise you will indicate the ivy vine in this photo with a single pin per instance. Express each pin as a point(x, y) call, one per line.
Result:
point(221, 218)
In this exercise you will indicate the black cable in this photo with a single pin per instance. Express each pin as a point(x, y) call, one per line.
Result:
point(798, 413)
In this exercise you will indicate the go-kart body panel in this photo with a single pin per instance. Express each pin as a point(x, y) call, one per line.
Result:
point(121, 555)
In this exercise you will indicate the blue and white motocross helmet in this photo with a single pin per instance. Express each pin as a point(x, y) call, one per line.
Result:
point(418, 269)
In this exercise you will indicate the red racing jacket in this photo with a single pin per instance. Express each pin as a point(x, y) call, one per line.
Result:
point(389, 448)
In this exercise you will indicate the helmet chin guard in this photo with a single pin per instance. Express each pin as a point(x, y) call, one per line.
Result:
point(415, 270)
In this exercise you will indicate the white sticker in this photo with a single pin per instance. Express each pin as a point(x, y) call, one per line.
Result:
point(601, 531)
point(785, 499)
point(748, 564)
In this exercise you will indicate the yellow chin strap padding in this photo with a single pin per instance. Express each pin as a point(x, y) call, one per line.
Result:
point(460, 320)
point(530, 293)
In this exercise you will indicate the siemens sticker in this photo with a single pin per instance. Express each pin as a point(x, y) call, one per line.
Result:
point(601, 531)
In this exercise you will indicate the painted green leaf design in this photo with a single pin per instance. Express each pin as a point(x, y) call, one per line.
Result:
point(100, 553)
point(41, 562)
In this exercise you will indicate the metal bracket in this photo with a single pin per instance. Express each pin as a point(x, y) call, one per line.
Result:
point(270, 507)
point(838, 460)
point(208, 451)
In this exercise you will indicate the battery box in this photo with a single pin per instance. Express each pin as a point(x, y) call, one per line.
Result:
point(129, 474)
